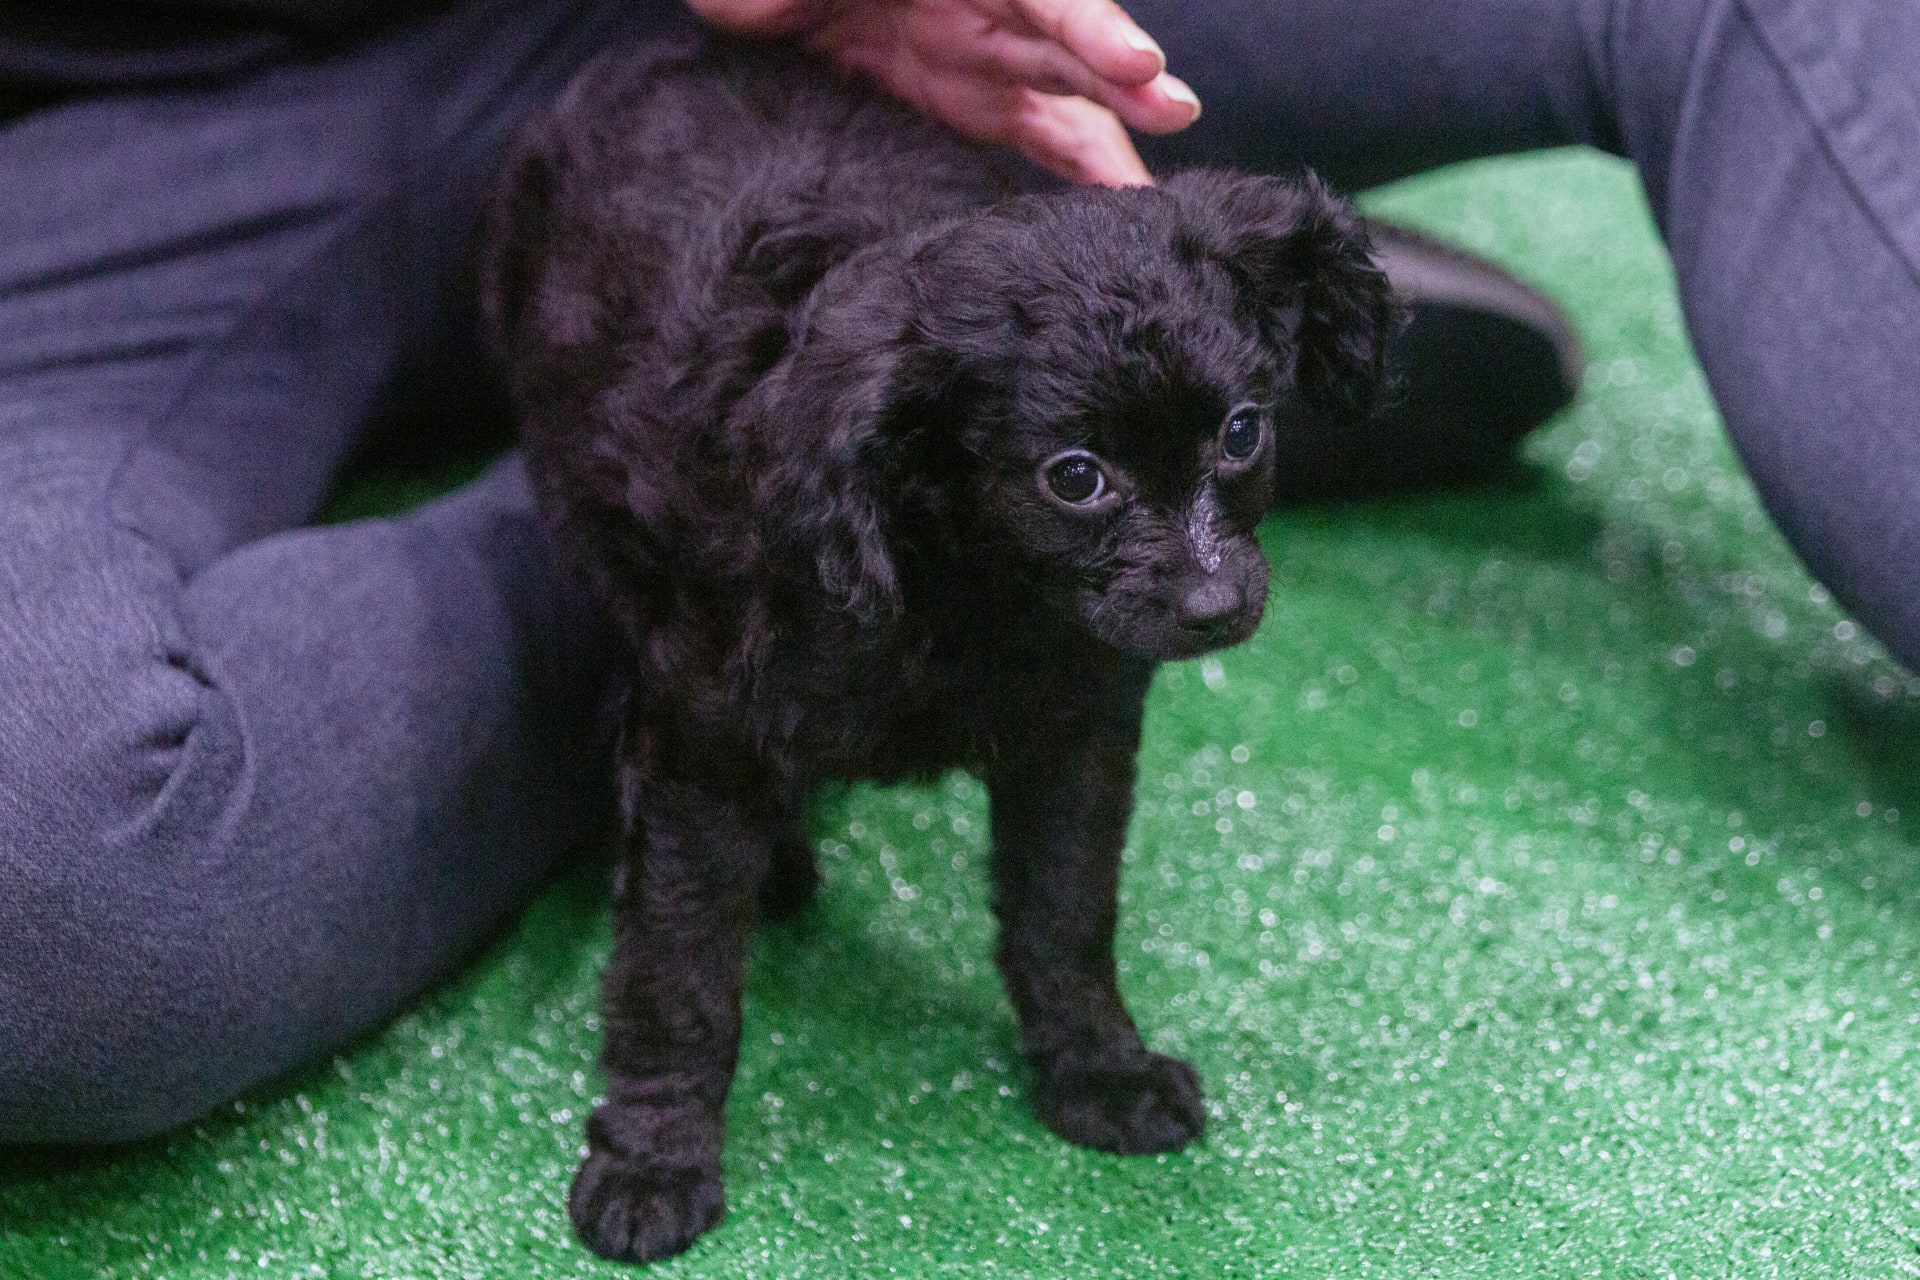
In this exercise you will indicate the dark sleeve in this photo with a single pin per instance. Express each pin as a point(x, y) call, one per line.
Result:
point(77, 45)
point(320, 17)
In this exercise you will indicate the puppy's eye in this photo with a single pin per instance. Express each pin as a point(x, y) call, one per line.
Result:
point(1240, 438)
point(1076, 479)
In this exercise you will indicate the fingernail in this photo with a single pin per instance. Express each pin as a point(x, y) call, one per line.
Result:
point(1181, 92)
point(1135, 38)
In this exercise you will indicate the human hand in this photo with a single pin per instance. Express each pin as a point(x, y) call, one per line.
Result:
point(1061, 80)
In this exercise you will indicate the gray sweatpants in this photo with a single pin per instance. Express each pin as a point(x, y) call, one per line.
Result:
point(260, 784)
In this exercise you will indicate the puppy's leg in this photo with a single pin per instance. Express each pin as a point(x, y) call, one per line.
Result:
point(792, 879)
point(1059, 820)
point(651, 1180)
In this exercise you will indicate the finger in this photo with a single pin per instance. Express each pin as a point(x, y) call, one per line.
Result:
point(1164, 104)
point(1167, 104)
point(760, 17)
point(1076, 139)
point(1071, 136)
point(1100, 34)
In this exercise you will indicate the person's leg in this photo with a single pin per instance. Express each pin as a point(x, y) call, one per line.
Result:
point(1792, 209)
point(1366, 91)
point(1776, 139)
point(256, 787)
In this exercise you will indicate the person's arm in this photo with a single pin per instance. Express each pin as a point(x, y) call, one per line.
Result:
point(1062, 80)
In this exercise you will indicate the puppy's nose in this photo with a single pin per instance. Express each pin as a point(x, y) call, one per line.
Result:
point(1209, 602)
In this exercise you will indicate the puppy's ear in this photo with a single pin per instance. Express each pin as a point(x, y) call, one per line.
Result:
point(1303, 266)
point(838, 408)
point(800, 236)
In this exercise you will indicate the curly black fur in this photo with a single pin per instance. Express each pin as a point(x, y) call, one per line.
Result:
point(793, 365)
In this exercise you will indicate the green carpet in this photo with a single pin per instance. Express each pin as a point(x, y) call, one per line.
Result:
point(1533, 894)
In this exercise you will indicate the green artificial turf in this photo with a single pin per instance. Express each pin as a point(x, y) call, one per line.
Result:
point(1534, 893)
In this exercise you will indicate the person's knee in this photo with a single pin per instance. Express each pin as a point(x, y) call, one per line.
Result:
point(104, 705)
point(78, 1072)
point(116, 941)
point(114, 1023)
point(117, 761)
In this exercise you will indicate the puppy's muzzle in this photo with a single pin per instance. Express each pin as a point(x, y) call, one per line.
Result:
point(1211, 604)
point(1214, 605)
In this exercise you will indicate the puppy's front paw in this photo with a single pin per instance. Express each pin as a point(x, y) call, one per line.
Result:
point(638, 1210)
point(1131, 1103)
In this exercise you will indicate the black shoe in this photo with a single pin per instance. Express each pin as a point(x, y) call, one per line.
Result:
point(1484, 360)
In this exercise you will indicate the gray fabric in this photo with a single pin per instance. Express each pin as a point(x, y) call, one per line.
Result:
point(57, 48)
point(260, 785)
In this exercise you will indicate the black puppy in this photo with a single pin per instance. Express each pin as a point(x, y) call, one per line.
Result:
point(887, 456)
